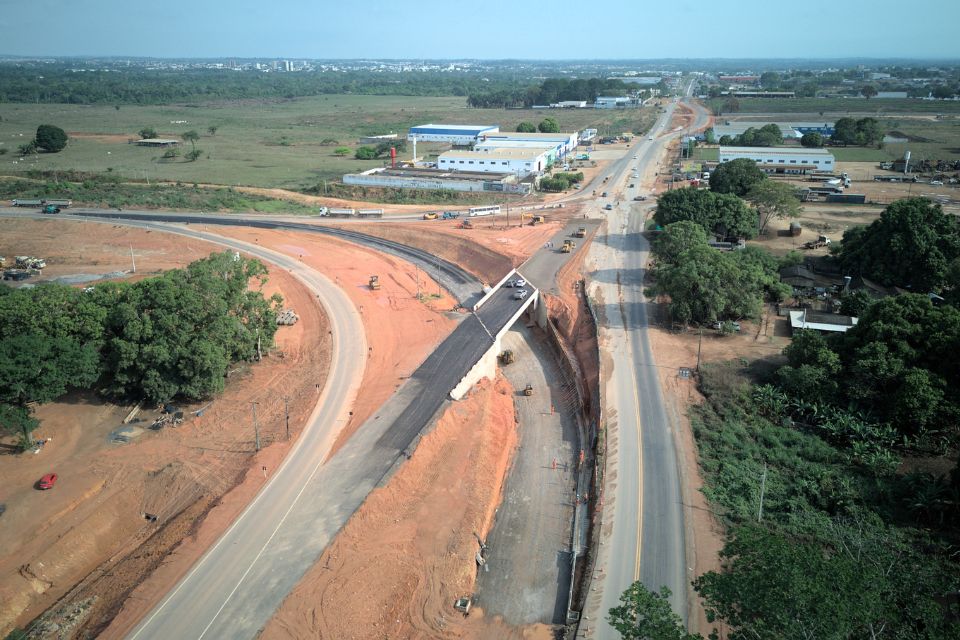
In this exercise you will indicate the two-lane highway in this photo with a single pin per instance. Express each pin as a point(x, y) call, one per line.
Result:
point(643, 531)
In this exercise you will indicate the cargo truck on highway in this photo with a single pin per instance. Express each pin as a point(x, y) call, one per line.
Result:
point(340, 213)
point(370, 213)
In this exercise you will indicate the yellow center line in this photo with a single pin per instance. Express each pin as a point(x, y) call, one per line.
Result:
point(636, 409)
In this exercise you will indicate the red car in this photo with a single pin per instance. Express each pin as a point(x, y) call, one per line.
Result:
point(47, 481)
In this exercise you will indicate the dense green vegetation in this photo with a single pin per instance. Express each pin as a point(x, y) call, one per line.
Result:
point(836, 474)
point(723, 214)
point(862, 132)
point(769, 135)
point(705, 285)
point(819, 545)
point(160, 338)
point(895, 366)
point(137, 85)
point(111, 191)
point(913, 245)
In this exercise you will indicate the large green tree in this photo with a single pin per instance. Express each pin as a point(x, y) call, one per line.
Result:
point(845, 579)
point(811, 139)
point(50, 138)
point(705, 285)
point(175, 335)
point(911, 245)
point(549, 125)
point(646, 615)
point(736, 176)
point(719, 213)
point(526, 127)
point(862, 132)
point(773, 200)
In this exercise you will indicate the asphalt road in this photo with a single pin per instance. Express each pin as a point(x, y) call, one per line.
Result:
point(643, 524)
point(542, 267)
point(238, 584)
point(460, 283)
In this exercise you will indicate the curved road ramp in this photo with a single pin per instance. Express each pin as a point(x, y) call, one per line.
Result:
point(234, 589)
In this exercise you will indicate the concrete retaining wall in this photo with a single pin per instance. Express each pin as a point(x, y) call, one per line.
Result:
point(486, 367)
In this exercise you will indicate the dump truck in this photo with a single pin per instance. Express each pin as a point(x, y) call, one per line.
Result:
point(821, 241)
point(63, 204)
point(341, 213)
point(535, 220)
point(567, 247)
point(374, 282)
point(19, 202)
point(450, 215)
point(432, 215)
point(581, 233)
point(506, 357)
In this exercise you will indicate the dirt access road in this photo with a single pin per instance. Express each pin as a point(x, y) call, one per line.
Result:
point(219, 437)
point(527, 576)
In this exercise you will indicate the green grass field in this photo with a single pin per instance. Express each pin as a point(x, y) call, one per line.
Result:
point(842, 106)
point(257, 143)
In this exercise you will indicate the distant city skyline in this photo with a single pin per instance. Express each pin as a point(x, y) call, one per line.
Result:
point(491, 30)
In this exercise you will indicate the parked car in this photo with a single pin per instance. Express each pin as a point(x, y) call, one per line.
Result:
point(936, 183)
point(639, 198)
point(520, 282)
point(719, 325)
point(520, 295)
point(47, 481)
point(609, 207)
point(603, 195)
point(510, 283)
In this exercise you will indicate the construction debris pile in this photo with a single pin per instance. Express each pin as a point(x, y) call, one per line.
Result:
point(287, 317)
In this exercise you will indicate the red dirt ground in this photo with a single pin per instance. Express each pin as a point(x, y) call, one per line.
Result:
point(94, 512)
point(407, 554)
point(192, 466)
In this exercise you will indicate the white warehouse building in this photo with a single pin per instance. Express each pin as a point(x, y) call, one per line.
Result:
point(520, 162)
point(553, 150)
point(782, 159)
point(566, 142)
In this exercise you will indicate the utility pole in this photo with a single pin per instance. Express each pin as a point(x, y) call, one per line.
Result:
point(418, 280)
point(699, 344)
point(763, 486)
point(133, 260)
point(436, 261)
point(286, 411)
point(256, 427)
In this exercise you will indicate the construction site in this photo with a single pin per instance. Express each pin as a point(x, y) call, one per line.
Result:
point(432, 448)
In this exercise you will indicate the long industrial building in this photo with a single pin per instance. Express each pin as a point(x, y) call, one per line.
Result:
point(564, 142)
point(782, 159)
point(519, 162)
point(436, 179)
point(463, 135)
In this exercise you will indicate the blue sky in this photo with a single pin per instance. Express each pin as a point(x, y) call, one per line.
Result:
point(491, 29)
